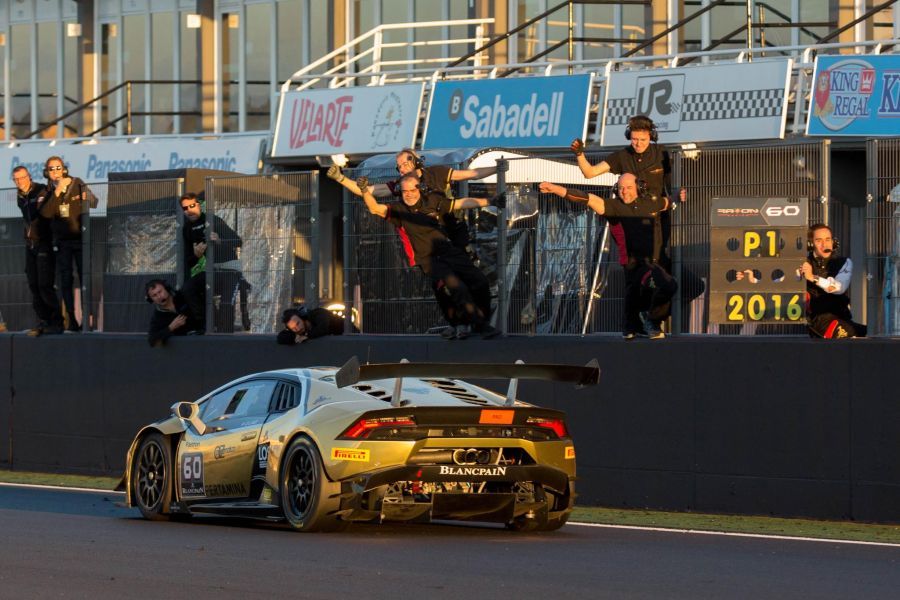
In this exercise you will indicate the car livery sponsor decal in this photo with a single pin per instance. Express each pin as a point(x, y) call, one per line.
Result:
point(262, 456)
point(473, 471)
point(192, 475)
point(234, 490)
point(221, 451)
point(351, 454)
point(570, 452)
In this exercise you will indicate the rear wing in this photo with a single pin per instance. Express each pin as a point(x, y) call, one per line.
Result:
point(352, 372)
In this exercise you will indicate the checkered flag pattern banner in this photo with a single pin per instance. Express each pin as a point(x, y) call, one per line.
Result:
point(619, 110)
point(741, 104)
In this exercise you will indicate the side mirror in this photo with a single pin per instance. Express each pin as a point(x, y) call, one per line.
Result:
point(190, 412)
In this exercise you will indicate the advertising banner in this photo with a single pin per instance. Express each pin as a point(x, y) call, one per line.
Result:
point(93, 162)
point(735, 101)
point(524, 112)
point(858, 95)
point(362, 120)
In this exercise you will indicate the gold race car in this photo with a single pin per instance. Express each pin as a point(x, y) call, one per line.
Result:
point(321, 447)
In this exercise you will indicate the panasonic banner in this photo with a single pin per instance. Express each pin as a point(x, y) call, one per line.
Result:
point(360, 120)
point(93, 162)
point(722, 102)
point(525, 112)
point(855, 95)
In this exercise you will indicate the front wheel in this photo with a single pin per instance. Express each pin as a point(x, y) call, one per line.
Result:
point(309, 500)
point(151, 477)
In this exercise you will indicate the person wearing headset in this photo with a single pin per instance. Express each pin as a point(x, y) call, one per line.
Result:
point(418, 218)
point(69, 197)
point(634, 223)
point(171, 315)
point(39, 260)
point(435, 183)
point(643, 157)
point(828, 287)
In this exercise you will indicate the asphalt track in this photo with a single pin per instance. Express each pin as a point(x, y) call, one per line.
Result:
point(68, 544)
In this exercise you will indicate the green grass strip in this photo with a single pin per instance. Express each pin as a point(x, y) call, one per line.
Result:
point(832, 530)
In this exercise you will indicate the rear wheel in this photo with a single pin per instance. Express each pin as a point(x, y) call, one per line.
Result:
point(309, 500)
point(151, 477)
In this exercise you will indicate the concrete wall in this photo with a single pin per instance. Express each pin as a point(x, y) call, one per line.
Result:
point(785, 426)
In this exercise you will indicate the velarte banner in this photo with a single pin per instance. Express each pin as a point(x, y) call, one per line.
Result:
point(856, 95)
point(525, 112)
point(721, 102)
point(360, 120)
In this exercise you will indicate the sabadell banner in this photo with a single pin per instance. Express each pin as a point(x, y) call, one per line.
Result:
point(94, 162)
point(523, 112)
point(361, 120)
point(856, 95)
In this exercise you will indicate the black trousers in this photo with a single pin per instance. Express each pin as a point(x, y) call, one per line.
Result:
point(462, 290)
point(68, 251)
point(226, 282)
point(40, 270)
point(647, 288)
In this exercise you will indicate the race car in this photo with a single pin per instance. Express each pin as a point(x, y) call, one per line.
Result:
point(322, 447)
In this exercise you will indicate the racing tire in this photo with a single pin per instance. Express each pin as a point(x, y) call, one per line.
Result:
point(309, 499)
point(151, 477)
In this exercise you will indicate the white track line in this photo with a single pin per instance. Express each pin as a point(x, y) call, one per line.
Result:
point(631, 527)
point(58, 487)
point(735, 534)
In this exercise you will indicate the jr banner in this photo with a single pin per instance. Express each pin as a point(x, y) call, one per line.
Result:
point(856, 95)
point(736, 101)
point(525, 112)
point(360, 120)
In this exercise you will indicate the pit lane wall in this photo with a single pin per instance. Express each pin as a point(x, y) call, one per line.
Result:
point(778, 426)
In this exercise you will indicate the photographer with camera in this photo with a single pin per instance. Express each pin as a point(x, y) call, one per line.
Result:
point(828, 287)
point(171, 315)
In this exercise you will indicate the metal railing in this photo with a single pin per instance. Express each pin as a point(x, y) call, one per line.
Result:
point(344, 65)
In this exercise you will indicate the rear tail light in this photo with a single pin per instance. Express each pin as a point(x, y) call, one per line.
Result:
point(364, 427)
point(557, 426)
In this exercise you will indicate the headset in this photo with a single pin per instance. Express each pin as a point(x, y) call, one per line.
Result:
point(65, 170)
point(641, 123)
point(152, 284)
point(810, 246)
point(418, 162)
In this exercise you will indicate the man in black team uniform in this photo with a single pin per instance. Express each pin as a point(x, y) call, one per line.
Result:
point(648, 287)
point(434, 184)
point(39, 260)
point(418, 218)
point(301, 324)
point(643, 157)
point(171, 315)
point(828, 287)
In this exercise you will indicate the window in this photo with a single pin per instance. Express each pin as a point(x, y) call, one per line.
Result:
point(233, 406)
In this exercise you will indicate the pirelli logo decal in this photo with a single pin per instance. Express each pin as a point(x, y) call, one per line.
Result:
point(570, 452)
point(496, 417)
point(351, 454)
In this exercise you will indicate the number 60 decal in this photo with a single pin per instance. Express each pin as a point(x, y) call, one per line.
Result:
point(192, 467)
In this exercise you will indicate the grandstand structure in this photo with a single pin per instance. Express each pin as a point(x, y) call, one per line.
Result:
point(144, 86)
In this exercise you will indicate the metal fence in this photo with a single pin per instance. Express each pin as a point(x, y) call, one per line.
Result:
point(883, 236)
point(798, 170)
point(134, 235)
